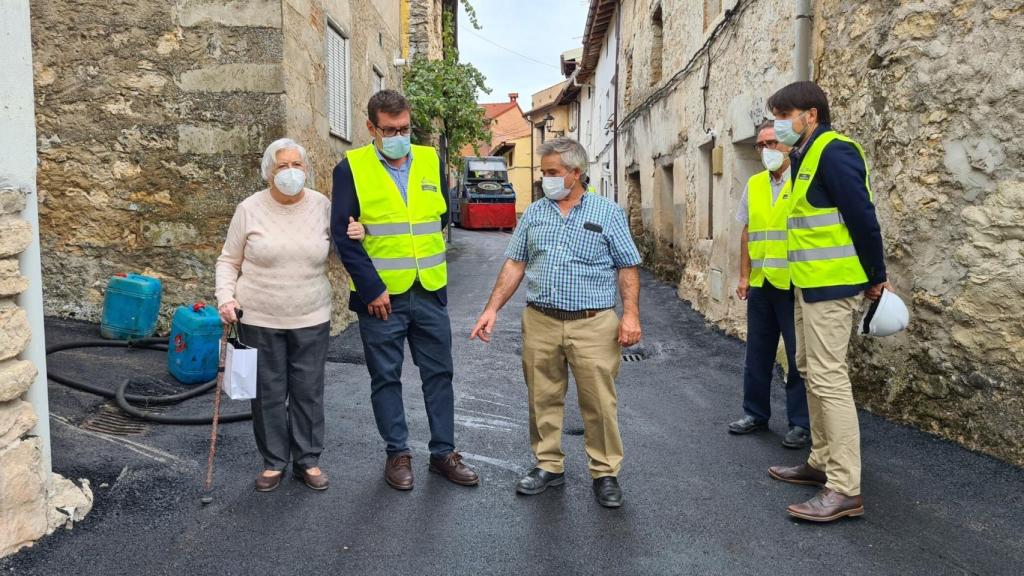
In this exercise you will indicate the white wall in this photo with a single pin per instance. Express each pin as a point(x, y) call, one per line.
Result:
point(18, 170)
point(598, 110)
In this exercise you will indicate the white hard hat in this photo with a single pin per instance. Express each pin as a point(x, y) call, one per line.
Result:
point(886, 316)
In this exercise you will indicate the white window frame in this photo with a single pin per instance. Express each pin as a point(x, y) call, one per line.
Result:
point(344, 100)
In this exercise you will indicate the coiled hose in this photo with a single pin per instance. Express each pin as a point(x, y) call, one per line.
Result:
point(124, 399)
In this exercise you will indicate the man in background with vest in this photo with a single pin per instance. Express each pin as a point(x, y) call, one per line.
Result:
point(764, 284)
point(399, 276)
point(835, 253)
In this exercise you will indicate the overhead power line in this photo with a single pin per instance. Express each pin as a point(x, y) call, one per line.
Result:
point(524, 56)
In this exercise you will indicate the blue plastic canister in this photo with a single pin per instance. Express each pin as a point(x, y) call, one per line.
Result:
point(130, 307)
point(193, 348)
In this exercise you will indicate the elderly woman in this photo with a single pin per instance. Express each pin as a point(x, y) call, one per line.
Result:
point(274, 268)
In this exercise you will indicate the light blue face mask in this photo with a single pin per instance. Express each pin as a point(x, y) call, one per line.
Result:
point(396, 147)
point(784, 131)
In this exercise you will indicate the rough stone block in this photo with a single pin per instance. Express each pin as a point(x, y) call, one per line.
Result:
point(15, 236)
point(14, 330)
point(12, 200)
point(11, 280)
point(22, 496)
point(15, 378)
point(268, 78)
point(67, 502)
point(16, 418)
point(248, 13)
point(214, 140)
point(170, 233)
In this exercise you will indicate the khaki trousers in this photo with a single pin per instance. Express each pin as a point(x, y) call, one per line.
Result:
point(590, 347)
point(822, 339)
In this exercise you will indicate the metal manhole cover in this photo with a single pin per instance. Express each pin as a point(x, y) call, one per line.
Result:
point(111, 420)
point(635, 354)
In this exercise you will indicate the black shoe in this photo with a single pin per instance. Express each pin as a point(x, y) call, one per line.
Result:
point(538, 481)
point(746, 425)
point(607, 491)
point(797, 437)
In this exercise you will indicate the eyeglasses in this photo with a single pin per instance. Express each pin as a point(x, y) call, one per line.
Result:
point(389, 131)
point(766, 144)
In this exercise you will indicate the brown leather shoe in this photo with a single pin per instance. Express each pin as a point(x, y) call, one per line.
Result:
point(398, 471)
point(318, 482)
point(266, 483)
point(802, 474)
point(452, 468)
point(827, 506)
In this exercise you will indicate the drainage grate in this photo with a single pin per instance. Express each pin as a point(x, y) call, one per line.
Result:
point(635, 354)
point(111, 420)
point(632, 357)
point(575, 431)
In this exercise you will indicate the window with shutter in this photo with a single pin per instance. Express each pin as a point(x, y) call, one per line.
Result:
point(339, 97)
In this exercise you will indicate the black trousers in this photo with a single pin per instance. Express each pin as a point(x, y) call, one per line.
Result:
point(288, 411)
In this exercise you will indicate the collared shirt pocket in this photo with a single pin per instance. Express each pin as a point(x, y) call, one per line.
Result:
point(589, 243)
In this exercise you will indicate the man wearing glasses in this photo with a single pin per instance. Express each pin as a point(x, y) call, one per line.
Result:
point(764, 284)
point(397, 192)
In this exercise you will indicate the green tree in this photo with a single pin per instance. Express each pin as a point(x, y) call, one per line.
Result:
point(443, 94)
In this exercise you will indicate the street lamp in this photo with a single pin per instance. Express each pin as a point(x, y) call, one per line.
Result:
point(549, 122)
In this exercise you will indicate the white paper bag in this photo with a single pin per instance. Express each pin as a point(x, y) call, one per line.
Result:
point(240, 371)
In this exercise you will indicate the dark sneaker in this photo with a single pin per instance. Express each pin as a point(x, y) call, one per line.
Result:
point(746, 425)
point(797, 438)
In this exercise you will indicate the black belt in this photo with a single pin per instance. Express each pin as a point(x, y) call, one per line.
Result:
point(567, 314)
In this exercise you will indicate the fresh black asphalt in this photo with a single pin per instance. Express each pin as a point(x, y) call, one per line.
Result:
point(698, 501)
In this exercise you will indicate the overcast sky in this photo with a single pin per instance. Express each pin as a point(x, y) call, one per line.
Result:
point(537, 29)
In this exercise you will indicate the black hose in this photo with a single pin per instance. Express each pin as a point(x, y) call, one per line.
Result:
point(124, 400)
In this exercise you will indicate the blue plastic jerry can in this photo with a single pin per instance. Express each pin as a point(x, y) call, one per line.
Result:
point(131, 307)
point(193, 347)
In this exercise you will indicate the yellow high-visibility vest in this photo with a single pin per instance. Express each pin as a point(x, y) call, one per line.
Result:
point(403, 239)
point(766, 231)
point(821, 251)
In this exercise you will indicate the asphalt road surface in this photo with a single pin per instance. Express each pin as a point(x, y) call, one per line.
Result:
point(698, 501)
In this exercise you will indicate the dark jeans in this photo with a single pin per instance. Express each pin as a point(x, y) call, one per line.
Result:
point(769, 315)
point(419, 317)
point(288, 411)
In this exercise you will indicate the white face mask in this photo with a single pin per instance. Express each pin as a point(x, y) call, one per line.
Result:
point(554, 187)
point(772, 159)
point(290, 182)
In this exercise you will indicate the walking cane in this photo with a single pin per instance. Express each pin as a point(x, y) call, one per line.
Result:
point(208, 484)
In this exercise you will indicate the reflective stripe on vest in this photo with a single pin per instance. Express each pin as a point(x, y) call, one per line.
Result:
point(766, 231)
point(403, 239)
point(821, 251)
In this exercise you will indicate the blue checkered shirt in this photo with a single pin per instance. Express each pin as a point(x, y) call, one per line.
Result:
point(572, 262)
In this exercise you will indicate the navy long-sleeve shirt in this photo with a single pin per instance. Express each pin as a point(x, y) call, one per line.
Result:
point(345, 204)
point(839, 183)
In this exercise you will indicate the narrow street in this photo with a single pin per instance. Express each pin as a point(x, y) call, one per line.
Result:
point(698, 501)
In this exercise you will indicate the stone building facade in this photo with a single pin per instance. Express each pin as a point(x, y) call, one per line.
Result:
point(933, 90)
point(152, 121)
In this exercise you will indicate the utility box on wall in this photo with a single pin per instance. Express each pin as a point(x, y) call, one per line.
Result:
point(716, 160)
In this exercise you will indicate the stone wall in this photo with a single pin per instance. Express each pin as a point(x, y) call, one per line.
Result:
point(31, 504)
point(152, 118)
point(941, 121)
point(934, 90)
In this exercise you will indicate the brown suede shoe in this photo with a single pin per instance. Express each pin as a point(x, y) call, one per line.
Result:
point(827, 506)
point(452, 468)
point(802, 474)
point(267, 483)
point(318, 482)
point(398, 471)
